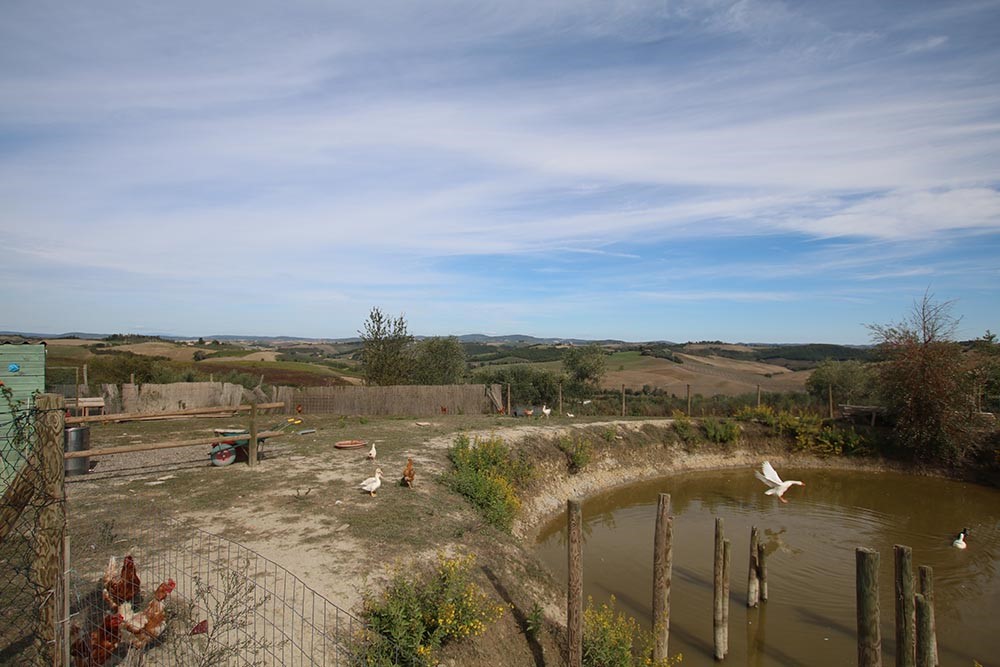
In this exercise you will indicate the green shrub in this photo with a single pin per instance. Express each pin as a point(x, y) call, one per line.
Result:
point(578, 451)
point(488, 473)
point(612, 639)
point(684, 427)
point(722, 432)
point(416, 615)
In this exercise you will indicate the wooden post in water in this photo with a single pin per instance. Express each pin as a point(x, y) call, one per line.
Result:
point(866, 585)
point(252, 446)
point(762, 569)
point(726, 570)
point(718, 611)
point(662, 574)
point(574, 592)
point(927, 590)
point(903, 556)
point(925, 637)
point(689, 400)
point(753, 572)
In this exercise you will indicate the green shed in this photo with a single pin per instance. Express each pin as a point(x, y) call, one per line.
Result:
point(22, 370)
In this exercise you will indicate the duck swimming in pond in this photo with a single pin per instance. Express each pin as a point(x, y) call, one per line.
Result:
point(959, 542)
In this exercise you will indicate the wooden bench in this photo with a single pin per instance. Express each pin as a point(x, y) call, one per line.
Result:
point(83, 406)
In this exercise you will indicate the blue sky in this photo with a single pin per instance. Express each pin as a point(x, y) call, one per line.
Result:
point(744, 170)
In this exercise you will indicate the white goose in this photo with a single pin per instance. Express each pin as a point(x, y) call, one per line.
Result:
point(769, 476)
point(546, 410)
point(372, 483)
point(959, 542)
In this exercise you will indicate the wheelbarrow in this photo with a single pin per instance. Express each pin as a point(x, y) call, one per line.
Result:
point(234, 443)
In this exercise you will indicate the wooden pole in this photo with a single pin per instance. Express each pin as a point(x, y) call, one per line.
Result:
point(64, 611)
point(623, 400)
point(85, 382)
point(689, 400)
point(574, 593)
point(762, 571)
point(190, 412)
point(753, 572)
point(927, 590)
point(560, 400)
point(726, 570)
point(829, 392)
point(131, 378)
point(50, 524)
point(252, 447)
point(127, 449)
point(925, 643)
point(508, 400)
point(866, 585)
point(717, 587)
point(662, 574)
point(758, 396)
point(903, 557)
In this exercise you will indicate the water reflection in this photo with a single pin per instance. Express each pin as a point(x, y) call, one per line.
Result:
point(810, 545)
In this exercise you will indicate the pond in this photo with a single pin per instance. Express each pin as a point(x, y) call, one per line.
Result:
point(810, 615)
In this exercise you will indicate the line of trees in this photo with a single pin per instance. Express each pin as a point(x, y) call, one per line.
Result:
point(392, 356)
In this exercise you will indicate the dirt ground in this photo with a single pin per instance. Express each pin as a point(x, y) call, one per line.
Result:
point(302, 506)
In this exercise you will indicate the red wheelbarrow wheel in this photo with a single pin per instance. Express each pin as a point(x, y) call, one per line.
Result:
point(224, 456)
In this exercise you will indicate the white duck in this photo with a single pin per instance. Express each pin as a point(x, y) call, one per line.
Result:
point(959, 542)
point(768, 475)
point(546, 410)
point(372, 483)
point(371, 453)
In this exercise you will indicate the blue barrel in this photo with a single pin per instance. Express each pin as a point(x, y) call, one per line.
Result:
point(77, 440)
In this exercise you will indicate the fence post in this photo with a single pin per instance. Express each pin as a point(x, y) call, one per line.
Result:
point(830, 398)
point(866, 584)
point(925, 637)
point(927, 590)
point(904, 605)
point(662, 574)
point(753, 572)
point(508, 400)
point(50, 524)
point(252, 446)
point(574, 593)
point(758, 396)
point(623, 400)
point(689, 400)
point(560, 400)
point(762, 571)
point(718, 610)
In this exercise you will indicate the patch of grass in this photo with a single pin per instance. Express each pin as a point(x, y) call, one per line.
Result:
point(418, 614)
point(488, 473)
point(685, 428)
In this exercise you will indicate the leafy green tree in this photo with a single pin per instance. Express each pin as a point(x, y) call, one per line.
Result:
point(439, 361)
point(923, 381)
point(852, 381)
point(385, 357)
point(528, 385)
point(585, 367)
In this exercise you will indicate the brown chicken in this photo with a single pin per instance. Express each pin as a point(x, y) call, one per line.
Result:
point(79, 647)
point(105, 639)
point(149, 624)
point(123, 586)
point(408, 473)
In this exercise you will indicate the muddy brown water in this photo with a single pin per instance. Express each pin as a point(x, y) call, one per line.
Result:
point(810, 616)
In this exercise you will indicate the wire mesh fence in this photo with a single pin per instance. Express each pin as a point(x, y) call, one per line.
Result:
point(28, 540)
point(229, 605)
point(155, 592)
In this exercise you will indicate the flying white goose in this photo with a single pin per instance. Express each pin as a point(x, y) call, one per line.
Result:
point(959, 542)
point(768, 475)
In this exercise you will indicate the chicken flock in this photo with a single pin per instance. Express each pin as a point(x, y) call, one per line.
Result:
point(123, 625)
